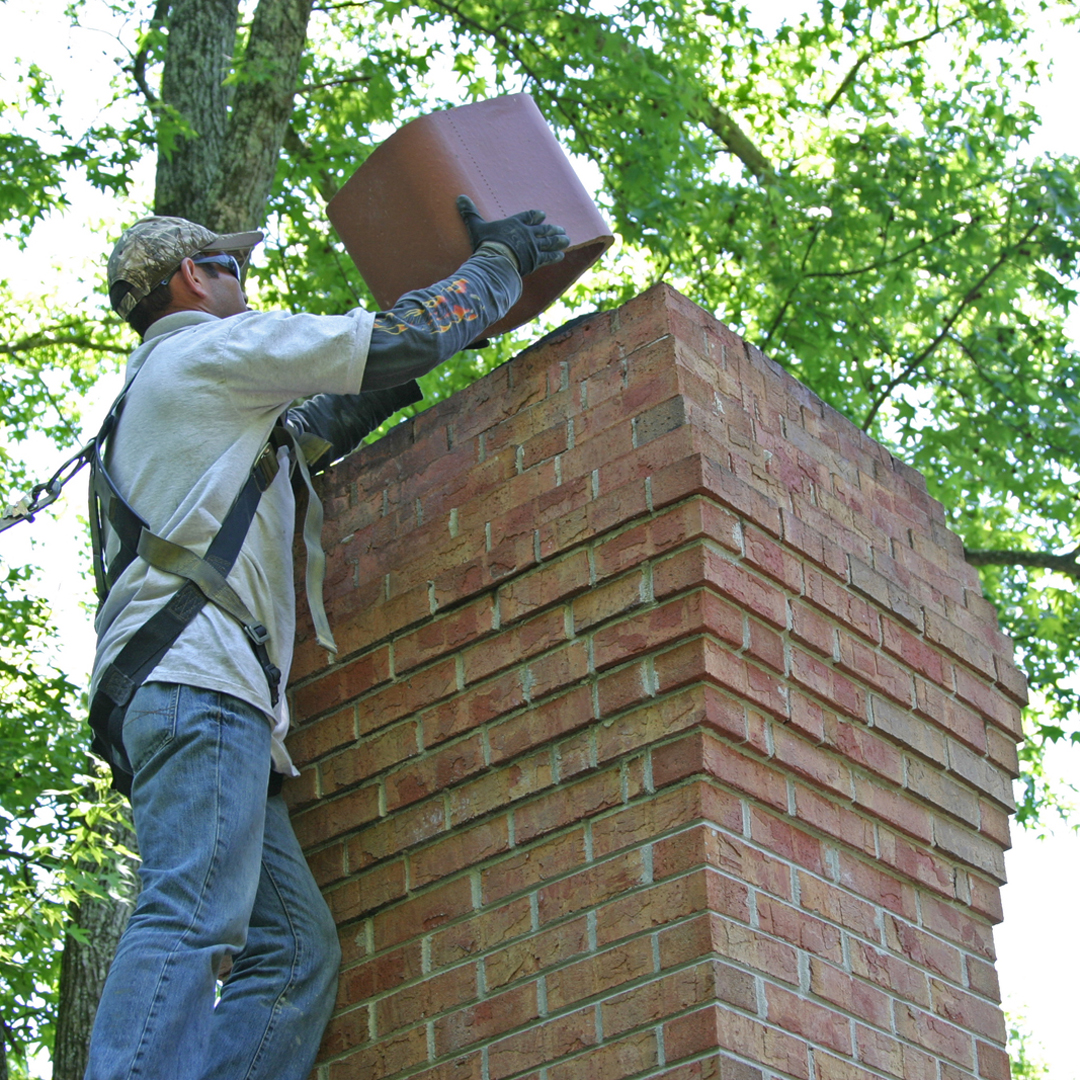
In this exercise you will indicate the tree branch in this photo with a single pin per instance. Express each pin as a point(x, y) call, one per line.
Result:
point(1067, 563)
point(723, 126)
point(138, 65)
point(870, 54)
point(308, 88)
point(45, 340)
point(968, 298)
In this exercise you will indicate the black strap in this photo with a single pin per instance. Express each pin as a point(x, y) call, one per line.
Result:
point(146, 647)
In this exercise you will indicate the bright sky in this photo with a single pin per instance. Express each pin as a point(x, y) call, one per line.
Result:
point(1039, 942)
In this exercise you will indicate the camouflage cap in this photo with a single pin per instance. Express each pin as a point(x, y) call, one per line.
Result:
point(150, 252)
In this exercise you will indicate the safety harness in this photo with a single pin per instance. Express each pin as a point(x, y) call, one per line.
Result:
point(204, 577)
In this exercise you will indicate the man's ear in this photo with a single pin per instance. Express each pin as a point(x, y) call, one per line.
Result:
point(187, 283)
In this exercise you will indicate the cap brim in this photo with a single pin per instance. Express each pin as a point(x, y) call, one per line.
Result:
point(239, 243)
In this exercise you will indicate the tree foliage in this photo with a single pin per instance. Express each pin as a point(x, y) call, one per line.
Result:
point(851, 190)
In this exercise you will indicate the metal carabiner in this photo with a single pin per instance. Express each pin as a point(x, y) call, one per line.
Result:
point(42, 495)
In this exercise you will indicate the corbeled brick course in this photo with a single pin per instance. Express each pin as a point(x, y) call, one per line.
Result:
point(670, 736)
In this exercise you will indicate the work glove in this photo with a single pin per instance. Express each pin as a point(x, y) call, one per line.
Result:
point(532, 243)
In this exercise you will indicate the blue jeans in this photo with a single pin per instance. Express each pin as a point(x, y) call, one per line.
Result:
point(222, 876)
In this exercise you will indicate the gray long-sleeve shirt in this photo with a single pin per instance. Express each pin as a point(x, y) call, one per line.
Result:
point(207, 395)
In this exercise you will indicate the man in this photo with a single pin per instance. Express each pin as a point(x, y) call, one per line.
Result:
point(193, 724)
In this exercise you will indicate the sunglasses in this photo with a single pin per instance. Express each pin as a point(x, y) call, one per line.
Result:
point(227, 262)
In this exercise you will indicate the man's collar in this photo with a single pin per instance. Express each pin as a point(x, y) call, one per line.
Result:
point(177, 321)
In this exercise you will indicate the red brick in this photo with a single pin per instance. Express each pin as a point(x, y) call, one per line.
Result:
point(379, 974)
point(499, 787)
point(888, 1054)
point(320, 737)
point(649, 630)
point(924, 949)
point(590, 887)
point(386, 1057)
point(458, 851)
point(731, 940)
point(669, 901)
point(660, 719)
point(519, 642)
point(442, 635)
point(543, 586)
point(897, 808)
point(810, 628)
point(985, 898)
point(372, 889)
point(394, 834)
point(572, 803)
point(376, 752)
point(469, 1067)
point(768, 557)
point(815, 1023)
point(715, 1028)
point(765, 646)
point(549, 948)
point(328, 819)
point(851, 612)
point(346, 1031)
point(890, 972)
point(541, 1043)
point(486, 1019)
point(967, 1011)
point(863, 746)
point(876, 670)
point(826, 682)
point(916, 862)
point(704, 565)
point(482, 932)
point(434, 995)
point(951, 715)
point(660, 812)
point(700, 753)
point(538, 862)
point(990, 702)
point(838, 906)
point(541, 724)
point(342, 682)
point(407, 695)
point(434, 772)
point(934, 1034)
point(623, 687)
point(701, 845)
point(955, 924)
point(907, 729)
point(606, 601)
point(825, 770)
point(835, 819)
point(599, 974)
point(898, 641)
point(993, 1062)
point(422, 913)
point(805, 932)
point(476, 706)
point(852, 995)
point(705, 658)
point(612, 1061)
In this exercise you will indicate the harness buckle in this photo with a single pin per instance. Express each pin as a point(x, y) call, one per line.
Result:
point(258, 633)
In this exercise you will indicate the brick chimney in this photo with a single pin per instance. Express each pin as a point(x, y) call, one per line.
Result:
point(670, 736)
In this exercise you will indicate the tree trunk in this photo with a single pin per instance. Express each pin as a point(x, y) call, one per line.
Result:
point(83, 967)
point(221, 176)
point(198, 60)
point(260, 114)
